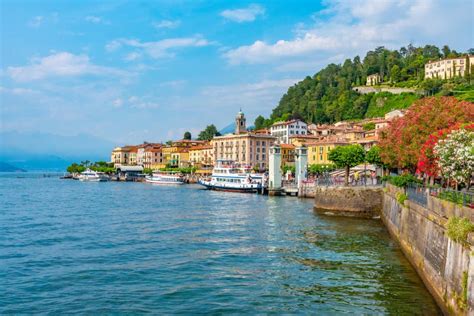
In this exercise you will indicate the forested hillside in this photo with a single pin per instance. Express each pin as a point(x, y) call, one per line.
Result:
point(328, 96)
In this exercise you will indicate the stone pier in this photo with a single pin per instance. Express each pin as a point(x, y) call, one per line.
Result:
point(348, 201)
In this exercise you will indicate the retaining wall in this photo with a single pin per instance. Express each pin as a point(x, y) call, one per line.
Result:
point(442, 263)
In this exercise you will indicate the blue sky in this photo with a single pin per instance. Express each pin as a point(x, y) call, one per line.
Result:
point(129, 71)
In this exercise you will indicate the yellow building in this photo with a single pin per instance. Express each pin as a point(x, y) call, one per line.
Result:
point(126, 155)
point(318, 151)
point(287, 154)
point(201, 156)
point(180, 158)
point(449, 68)
point(176, 147)
point(300, 140)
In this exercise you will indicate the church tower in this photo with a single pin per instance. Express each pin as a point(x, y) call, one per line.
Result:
point(240, 126)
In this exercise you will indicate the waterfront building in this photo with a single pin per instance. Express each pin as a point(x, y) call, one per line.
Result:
point(449, 67)
point(201, 156)
point(287, 154)
point(180, 158)
point(246, 148)
point(373, 80)
point(153, 157)
point(177, 147)
point(284, 130)
point(318, 151)
point(122, 155)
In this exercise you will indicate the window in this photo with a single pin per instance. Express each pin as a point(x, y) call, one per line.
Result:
point(256, 157)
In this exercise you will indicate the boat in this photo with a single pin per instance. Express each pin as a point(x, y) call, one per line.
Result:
point(92, 176)
point(164, 178)
point(229, 176)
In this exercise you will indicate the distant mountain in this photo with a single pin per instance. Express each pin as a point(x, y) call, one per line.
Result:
point(43, 151)
point(5, 167)
point(229, 129)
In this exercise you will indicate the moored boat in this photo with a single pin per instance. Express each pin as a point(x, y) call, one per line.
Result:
point(92, 176)
point(164, 178)
point(228, 176)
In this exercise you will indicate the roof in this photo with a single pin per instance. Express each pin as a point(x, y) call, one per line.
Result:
point(328, 141)
point(129, 168)
point(287, 146)
point(287, 122)
point(200, 147)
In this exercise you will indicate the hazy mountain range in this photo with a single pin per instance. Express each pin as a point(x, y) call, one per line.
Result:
point(44, 151)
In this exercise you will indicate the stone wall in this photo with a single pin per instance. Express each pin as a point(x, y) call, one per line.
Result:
point(348, 201)
point(442, 263)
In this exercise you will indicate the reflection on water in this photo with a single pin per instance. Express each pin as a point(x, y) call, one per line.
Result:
point(68, 246)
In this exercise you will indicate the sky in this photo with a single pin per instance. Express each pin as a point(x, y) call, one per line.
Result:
point(134, 71)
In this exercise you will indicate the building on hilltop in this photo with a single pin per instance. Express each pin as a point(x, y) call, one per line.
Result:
point(373, 80)
point(284, 130)
point(243, 147)
point(449, 67)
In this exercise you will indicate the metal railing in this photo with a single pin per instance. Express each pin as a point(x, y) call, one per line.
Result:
point(340, 181)
point(419, 193)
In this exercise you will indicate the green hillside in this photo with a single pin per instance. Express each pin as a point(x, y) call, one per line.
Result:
point(327, 96)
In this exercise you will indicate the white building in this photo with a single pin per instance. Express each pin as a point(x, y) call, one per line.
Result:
point(284, 130)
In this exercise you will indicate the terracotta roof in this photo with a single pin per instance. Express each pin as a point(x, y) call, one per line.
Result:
point(200, 147)
point(328, 141)
point(287, 146)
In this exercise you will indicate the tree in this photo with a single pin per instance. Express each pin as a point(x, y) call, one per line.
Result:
point(395, 73)
point(259, 122)
point(456, 155)
point(400, 144)
point(446, 51)
point(318, 169)
point(347, 157)
point(373, 156)
point(208, 133)
point(187, 135)
point(75, 168)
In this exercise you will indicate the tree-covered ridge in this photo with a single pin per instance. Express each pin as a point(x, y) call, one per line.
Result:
point(327, 96)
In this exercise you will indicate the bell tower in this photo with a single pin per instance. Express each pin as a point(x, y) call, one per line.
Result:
point(240, 126)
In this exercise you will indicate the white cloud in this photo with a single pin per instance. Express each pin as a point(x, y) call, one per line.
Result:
point(167, 24)
point(93, 19)
point(247, 14)
point(158, 49)
point(36, 21)
point(142, 103)
point(173, 83)
point(18, 91)
point(61, 64)
point(132, 56)
point(117, 103)
point(256, 98)
point(353, 27)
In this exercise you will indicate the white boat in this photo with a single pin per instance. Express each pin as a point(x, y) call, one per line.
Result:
point(164, 178)
point(228, 176)
point(92, 176)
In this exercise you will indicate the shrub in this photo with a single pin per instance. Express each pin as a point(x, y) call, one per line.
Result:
point(459, 228)
point(401, 181)
point(401, 198)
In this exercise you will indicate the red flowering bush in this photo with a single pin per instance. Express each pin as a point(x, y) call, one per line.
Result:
point(402, 141)
point(428, 162)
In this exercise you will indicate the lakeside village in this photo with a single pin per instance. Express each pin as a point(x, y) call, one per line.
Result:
point(413, 169)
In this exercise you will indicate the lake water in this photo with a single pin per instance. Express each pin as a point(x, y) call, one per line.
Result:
point(73, 247)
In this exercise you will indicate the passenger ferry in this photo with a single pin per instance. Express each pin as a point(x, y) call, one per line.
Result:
point(164, 178)
point(92, 176)
point(228, 176)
